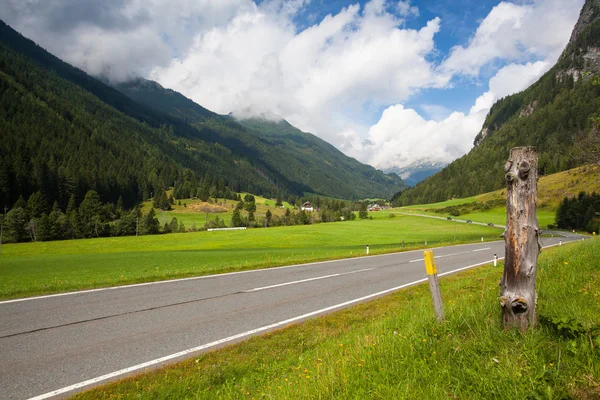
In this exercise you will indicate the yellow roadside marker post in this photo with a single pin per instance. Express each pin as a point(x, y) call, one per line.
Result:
point(431, 269)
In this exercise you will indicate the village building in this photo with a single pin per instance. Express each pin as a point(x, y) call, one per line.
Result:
point(307, 207)
point(374, 207)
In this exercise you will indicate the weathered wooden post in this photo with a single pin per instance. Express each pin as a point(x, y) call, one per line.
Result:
point(517, 293)
point(434, 285)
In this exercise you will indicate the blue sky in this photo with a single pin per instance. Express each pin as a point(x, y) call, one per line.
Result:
point(386, 81)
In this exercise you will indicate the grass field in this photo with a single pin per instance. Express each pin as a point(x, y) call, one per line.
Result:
point(496, 216)
point(392, 348)
point(49, 267)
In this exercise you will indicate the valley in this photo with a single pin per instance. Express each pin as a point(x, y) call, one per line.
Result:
point(239, 200)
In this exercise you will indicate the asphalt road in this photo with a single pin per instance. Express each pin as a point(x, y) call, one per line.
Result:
point(54, 345)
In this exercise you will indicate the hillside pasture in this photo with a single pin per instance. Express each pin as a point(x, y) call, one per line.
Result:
point(489, 207)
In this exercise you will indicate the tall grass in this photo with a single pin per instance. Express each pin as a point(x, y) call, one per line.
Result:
point(392, 348)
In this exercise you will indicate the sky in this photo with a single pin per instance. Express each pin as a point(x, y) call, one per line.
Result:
point(387, 82)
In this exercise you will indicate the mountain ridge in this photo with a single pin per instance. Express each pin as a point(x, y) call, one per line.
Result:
point(303, 155)
point(64, 133)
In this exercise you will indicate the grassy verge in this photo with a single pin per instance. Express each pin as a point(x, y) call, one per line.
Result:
point(28, 269)
point(392, 348)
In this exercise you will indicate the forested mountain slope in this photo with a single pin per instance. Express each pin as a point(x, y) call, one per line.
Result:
point(63, 133)
point(555, 114)
point(301, 157)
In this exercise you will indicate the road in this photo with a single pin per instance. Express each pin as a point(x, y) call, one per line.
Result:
point(55, 345)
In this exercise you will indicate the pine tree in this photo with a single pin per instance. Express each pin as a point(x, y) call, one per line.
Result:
point(14, 225)
point(71, 205)
point(119, 209)
point(589, 215)
point(90, 218)
point(150, 224)
point(174, 225)
point(36, 205)
point(236, 218)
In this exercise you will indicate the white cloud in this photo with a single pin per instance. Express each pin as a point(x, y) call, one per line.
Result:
point(510, 79)
point(118, 38)
point(516, 32)
point(402, 136)
point(315, 78)
point(406, 10)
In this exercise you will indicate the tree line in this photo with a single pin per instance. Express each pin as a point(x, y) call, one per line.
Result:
point(581, 213)
point(33, 220)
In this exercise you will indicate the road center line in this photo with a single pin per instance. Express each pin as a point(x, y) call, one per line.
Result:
point(307, 280)
point(486, 248)
point(442, 256)
point(213, 276)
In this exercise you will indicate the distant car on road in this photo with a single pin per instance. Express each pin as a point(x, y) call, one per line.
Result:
point(449, 218)
point(490, 224)
point(469, 221)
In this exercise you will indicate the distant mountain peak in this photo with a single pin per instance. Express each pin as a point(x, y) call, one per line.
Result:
point(417, 171)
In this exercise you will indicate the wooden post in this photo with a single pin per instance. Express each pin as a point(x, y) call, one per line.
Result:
point(517, 293)
point(431, 269)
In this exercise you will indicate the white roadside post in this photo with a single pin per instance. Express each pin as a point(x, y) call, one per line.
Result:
point(367, 249)
point(495, 260)
point(431, 269)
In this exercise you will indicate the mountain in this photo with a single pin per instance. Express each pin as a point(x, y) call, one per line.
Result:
point(302, 157)
point(417, 171)
point(63, 132)
point(558, 115)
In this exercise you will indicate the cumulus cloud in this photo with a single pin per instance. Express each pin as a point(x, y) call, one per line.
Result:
point(516, 32)
point(402, 136)
point(406, 10)
point(511, 79)
point(119, 39)
point(354, 59)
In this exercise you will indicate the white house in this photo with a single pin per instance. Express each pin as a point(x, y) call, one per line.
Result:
point(307, 207)
point(374, 207)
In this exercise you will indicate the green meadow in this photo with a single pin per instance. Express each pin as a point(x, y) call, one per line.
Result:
point(28, 269)
point(496, 216)
point(393, 348)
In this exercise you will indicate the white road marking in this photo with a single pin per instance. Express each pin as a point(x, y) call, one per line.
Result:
point(442, 256)
point(173, 356)
point(450, 255)
point(486, 248)
point(211, 276)
point(307, 280)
